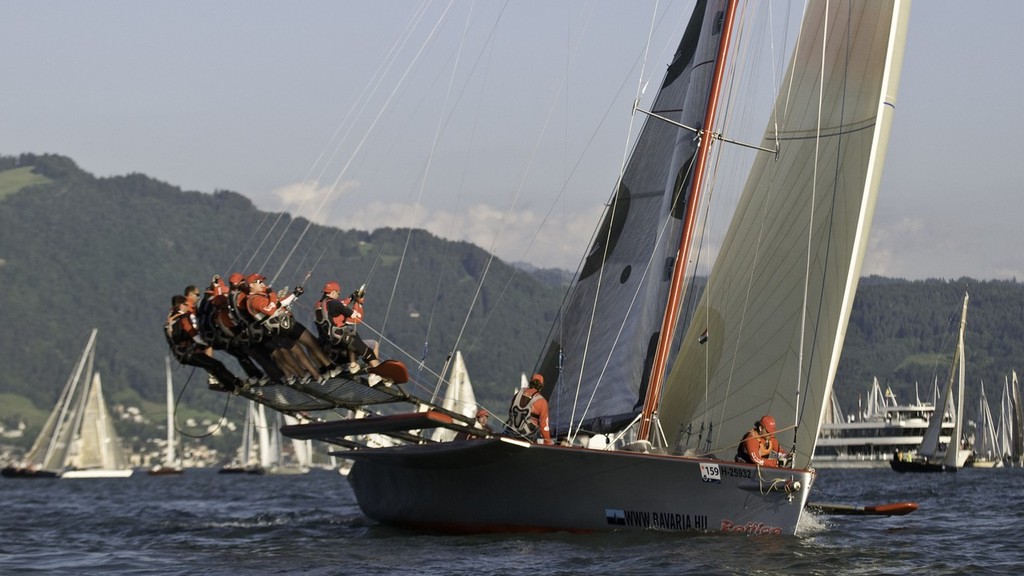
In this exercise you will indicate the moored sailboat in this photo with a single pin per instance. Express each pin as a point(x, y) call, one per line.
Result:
point(671, 372)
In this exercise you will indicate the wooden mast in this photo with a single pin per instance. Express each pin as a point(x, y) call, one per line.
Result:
point(677, 289)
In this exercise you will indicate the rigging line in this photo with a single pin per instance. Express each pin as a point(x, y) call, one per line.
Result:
point(810, 219)
point(561, 195)
point(623, 163)
point(461, 188)
point(831, 221)
point(177, 402)
point(739, 56)
point(426, 171)
point(383, 108)
point(252, 236)
point(515, 271)
point(562, 189)
point(365, 98)
point(462, 184)
point(519, 188)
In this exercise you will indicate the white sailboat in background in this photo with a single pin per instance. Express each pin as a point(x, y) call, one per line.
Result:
point(987, 448)
point(247, 459)
point(939, 453)
point(96, 450)
point(78, 439)
point(171, 464)
point(1011, 423)
point(48, 455)
point(459, 397)
point(279, 460)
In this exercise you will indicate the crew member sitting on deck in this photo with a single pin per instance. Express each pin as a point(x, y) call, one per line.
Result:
point(528, 414)
point(759, 445)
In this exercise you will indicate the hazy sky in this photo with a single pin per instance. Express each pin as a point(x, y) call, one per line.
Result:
point(477, 113)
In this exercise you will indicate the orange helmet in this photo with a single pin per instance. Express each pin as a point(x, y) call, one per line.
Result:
point(235, 279)
point(332, 287)
point(481, 413)
point(537, 379)
point(217, 287)
point(254, 278)
point(768, 423)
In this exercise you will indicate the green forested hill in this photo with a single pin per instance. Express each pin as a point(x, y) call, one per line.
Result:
point(904, 332)
point(78, 252)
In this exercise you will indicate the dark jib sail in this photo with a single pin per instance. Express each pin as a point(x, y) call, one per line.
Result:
point(622, 287)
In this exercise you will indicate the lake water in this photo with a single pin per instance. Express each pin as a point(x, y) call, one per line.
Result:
point(206, 523)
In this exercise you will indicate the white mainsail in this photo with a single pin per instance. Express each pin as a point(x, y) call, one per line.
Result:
point(50, 448)
point(987, 447)
point(779, 297)
point(96, 450)
point(955, 453)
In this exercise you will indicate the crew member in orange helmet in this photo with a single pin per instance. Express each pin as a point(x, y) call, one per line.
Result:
point(528, 414)
point(759, 445)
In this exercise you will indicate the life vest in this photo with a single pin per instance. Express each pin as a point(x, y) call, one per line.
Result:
point(268, 313)
point(758, 449)
point(521, 417)
point(208, 318)
point(248, 330)
point(177, 330)
point(335, 331)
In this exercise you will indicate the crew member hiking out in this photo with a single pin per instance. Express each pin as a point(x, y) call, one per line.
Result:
point(336, 322)
point(189, 348)
point(270, 311)
point(528, 414)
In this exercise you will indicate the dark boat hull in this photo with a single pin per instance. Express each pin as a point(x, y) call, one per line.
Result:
point(241, 470)
point(919, 466)
point(503, 485)
point(19, 472)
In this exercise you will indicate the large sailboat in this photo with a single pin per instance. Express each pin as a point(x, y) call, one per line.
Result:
point(938, 453)
point(655, 371)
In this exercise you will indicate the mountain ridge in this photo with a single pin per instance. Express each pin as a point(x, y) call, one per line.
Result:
point(77, 251)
